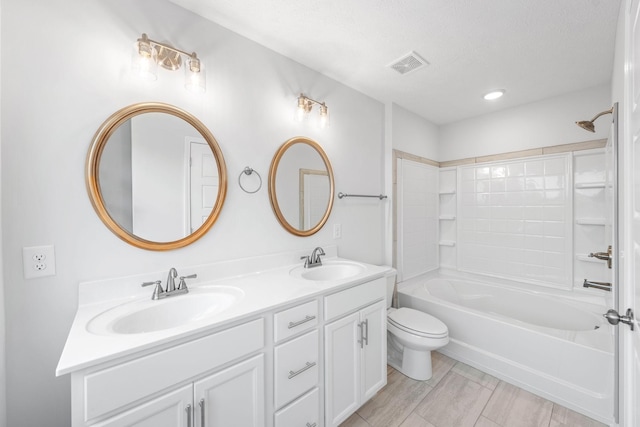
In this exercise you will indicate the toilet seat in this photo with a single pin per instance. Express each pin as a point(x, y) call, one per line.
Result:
point(417, 323)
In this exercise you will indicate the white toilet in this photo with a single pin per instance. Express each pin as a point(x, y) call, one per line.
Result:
point(411, 336)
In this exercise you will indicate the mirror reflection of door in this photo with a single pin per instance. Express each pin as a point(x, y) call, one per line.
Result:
point(203, 183)
point(314, 193)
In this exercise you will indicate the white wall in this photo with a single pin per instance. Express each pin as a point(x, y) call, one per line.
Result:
point(80, 76)
point(414, 134)
point(539, 124)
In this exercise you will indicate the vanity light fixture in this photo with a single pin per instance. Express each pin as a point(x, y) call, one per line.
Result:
point(494, 94)
point(149, 53)
point(305, 104)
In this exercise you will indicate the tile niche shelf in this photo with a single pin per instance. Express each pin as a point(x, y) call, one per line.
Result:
point(590, 220)
point(447, 230)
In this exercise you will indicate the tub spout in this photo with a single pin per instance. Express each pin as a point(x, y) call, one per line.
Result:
point(605, 286)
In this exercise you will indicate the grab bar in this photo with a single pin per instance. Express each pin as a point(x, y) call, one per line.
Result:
point(377, 196)
point(605, 286)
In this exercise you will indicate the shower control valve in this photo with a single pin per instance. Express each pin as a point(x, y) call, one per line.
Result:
point(605, 256)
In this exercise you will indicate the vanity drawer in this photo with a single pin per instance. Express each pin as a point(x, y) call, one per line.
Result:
point(108, 389)
point(296, 367)
point(303, 412)
point(294, 320)
point(346, 301)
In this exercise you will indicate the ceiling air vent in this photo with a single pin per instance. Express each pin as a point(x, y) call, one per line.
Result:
point(408, 63)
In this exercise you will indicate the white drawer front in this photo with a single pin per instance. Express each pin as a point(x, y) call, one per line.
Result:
point(304, 412)
point(294, 320)
point(111, 388)
point(296, 367)
point(343, 302)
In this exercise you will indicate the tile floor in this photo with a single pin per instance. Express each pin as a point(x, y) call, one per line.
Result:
point(459, 396)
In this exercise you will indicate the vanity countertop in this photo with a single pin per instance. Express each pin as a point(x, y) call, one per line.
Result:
point(263, 291)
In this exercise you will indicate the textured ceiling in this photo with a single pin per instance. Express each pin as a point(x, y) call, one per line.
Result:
point(535, 49)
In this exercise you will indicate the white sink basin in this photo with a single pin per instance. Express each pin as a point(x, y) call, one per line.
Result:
point(147, 315)
point(329, 270)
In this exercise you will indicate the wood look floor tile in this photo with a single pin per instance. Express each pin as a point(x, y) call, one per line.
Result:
point(455, 402)
point(564, 417)
point(513, 407)
point(355, 420)
point(415, 420)
point(441, 364)
point(476, 375)
point(485, 422)
point(395, 401)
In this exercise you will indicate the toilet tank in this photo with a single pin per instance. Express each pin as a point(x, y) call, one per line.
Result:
point(391, 284)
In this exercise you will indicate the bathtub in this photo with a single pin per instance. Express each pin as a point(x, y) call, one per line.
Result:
point(551, 343)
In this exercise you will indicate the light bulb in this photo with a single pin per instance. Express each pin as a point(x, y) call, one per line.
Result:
point(303, 108)
point(143, 60)
point(195, 77)
point(324, 116)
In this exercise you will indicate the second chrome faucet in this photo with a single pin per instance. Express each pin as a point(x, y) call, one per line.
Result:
point(170, 289)
point(314, 259)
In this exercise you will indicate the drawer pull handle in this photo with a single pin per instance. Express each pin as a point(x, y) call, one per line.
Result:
point(307, 366)
point(361, 334)
point(311, 425)
point(188, 409)
point(306, 319)
point(365, 335)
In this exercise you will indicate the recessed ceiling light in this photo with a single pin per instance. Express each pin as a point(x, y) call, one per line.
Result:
point(494, 94)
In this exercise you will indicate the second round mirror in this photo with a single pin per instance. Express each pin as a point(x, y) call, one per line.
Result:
point(301, 186)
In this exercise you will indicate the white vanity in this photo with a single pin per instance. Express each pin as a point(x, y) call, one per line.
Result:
point(293, 346)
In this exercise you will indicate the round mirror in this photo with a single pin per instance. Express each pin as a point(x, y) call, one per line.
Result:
point(156, 176)
point(301, 186)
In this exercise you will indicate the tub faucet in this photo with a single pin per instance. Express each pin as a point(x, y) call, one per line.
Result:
point(604, 286)
point(314, 259)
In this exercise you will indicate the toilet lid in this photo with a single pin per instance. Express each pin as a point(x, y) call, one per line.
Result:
point(417, 322)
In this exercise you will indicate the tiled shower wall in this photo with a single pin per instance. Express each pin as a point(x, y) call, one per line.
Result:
point(515, 219)
point(531, 219)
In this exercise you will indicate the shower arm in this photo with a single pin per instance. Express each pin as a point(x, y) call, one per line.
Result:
point(609, 111)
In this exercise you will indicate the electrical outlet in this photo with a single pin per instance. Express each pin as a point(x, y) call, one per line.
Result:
point(337, 231)
point(38, 261)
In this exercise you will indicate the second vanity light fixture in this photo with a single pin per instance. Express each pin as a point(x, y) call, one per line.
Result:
point(305, 104)
point(149, 53)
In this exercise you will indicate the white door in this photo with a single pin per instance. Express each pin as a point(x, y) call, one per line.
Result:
point(203, 184)
point(170, 410)
point(630, 233)
point(374, 351)
point(233, 397)
point(342, 369)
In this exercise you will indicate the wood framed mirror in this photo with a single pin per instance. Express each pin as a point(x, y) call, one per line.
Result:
point(301, 186)
point(156, 176)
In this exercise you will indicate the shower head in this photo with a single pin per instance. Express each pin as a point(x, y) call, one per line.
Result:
point(588, 124)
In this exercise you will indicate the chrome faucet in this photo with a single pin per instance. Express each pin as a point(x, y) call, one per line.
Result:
point(170, 289)
point(314, 259)
point(171, 280)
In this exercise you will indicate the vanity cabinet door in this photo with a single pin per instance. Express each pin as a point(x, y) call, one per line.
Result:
point(374, 352)
point(342, 368)
point(232, 397)
point(170, 410)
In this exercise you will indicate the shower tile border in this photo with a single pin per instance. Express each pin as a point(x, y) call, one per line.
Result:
point(552, 149)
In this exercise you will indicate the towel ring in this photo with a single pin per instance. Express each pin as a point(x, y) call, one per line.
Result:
point(249, 171)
